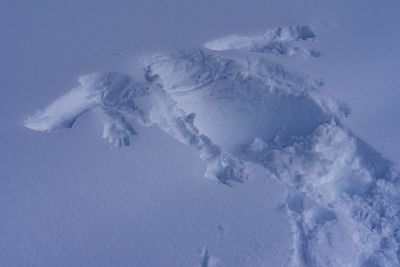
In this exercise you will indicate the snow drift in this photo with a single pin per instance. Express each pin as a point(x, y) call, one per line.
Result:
point(236, 111)
point(278, 41)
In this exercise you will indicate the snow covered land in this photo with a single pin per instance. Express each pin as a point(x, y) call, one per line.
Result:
point(259, 133)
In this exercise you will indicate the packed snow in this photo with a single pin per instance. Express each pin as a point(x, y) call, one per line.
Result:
point(249, 118)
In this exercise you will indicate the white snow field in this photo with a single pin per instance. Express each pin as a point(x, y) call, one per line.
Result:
point(273, 146)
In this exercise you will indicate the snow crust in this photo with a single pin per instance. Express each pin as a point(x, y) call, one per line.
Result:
point(239, 112)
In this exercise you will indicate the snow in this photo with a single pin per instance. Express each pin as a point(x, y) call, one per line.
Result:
point(291, 184)
point(243, 115)
point(279, 41)
point(162, 212)
point(339, 188)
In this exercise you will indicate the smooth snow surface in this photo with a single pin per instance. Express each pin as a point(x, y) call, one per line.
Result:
point(250, 120)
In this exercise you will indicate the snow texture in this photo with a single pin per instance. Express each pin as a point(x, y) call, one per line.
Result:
point(278, 41)
point(237, 112)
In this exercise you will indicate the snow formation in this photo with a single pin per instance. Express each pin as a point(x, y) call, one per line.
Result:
point(238, 111)
point(278, 41)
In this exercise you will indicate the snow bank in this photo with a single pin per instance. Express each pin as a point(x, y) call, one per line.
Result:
point(277, 41)
point(342, 195)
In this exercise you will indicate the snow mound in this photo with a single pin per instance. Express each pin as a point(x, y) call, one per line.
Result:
point(120, 103)
point(343, 199)
point(235, 113)
point(110, 95)
point(278, 41)
point(235, 100)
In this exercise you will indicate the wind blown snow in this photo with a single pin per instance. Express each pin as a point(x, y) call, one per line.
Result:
point(237, 111)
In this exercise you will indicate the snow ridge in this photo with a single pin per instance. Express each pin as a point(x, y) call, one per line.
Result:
point(342, 196)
